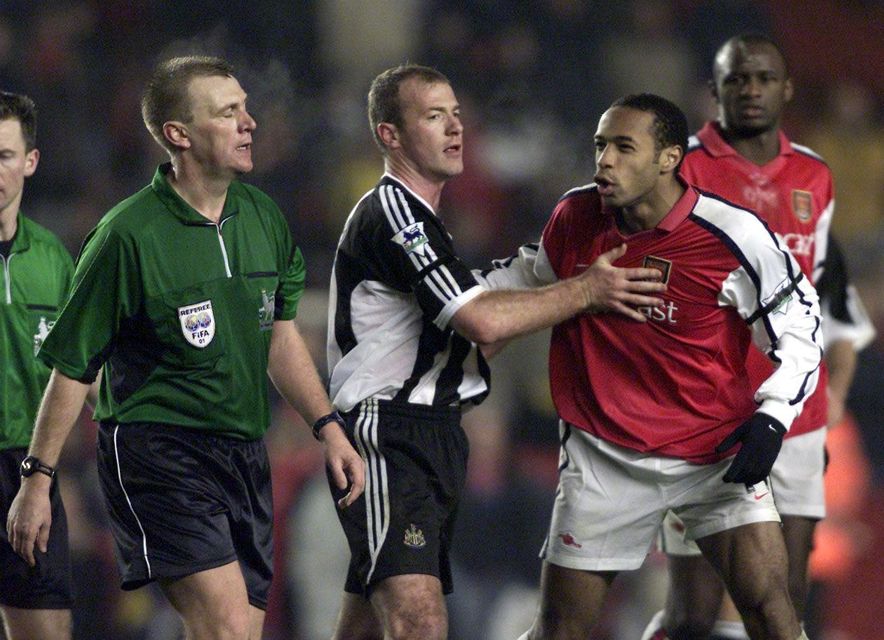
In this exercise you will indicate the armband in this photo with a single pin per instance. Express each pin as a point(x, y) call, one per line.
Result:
point(777, 299)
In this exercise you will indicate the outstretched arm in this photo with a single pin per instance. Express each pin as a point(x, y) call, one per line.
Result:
point(293, 373)
point(499, 315)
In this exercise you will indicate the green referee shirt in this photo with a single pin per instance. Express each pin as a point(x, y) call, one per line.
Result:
point(180, 310)
point(34, 281)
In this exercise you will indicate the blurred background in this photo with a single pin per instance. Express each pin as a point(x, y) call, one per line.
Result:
point(532, 76)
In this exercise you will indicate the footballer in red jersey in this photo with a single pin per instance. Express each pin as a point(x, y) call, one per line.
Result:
point(650, 410)
point(745, 158)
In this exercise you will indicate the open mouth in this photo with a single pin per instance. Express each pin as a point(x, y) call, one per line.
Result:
point(605, 187)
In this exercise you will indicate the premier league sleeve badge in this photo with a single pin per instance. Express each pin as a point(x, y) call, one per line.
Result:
point(412, 238)
point(197, 323)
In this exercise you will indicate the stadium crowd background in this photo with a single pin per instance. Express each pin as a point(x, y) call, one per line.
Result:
point(532, 77)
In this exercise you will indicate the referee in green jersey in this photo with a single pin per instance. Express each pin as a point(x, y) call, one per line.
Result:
point(185, 294)
point(35, 274)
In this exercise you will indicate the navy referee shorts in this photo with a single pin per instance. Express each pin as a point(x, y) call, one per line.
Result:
point(183, 501)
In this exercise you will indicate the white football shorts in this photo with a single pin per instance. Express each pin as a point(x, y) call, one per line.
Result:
point(797, 482)
point(610, 502)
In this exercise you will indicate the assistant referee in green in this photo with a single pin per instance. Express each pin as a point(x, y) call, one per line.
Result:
point(35, 275)
point(185, 293)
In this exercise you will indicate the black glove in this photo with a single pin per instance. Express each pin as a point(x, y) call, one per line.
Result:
point(762, 437)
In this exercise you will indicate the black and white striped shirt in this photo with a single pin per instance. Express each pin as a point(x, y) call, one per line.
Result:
point(395, 286)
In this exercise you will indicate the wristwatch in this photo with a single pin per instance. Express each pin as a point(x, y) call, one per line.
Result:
point(32, 464)
point(334, 416)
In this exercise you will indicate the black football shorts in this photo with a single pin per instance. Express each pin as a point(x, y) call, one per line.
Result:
point(415, 470)
point(183, 501)
point(48, 584)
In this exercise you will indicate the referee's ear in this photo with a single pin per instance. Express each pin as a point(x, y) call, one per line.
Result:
point(176, 133)
point(389, 135)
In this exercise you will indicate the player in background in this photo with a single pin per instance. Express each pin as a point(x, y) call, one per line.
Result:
point(746, 158)
point(35, 274)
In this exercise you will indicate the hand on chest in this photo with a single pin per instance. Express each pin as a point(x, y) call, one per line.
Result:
point(693, 269)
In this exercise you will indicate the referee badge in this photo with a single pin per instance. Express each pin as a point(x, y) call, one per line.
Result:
point(266, 311)
point(43, 329)
point(412, 238)
point(197, 323)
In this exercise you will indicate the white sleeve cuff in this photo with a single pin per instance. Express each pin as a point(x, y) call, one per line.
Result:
point(451, 308)
point(782, 411)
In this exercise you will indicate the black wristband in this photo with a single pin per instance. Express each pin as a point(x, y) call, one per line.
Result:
point(334, 416)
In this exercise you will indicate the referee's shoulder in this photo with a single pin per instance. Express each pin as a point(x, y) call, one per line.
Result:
point(133, 213)
point(39, 233)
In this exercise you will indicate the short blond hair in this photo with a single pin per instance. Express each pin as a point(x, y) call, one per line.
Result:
point(166, 98)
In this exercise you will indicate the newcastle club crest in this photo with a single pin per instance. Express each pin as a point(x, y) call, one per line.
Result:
point(197, 323)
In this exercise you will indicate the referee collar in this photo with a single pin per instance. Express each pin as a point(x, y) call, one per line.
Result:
point(177, 205)
point(21, 239)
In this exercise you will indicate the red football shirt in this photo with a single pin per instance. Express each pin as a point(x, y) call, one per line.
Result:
point(677, 385)
point(794, 194)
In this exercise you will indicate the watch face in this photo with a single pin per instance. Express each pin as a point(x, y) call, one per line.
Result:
point(31, 465)
point(27, 466)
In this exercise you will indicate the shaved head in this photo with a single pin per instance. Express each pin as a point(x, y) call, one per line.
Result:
point(741, 43)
